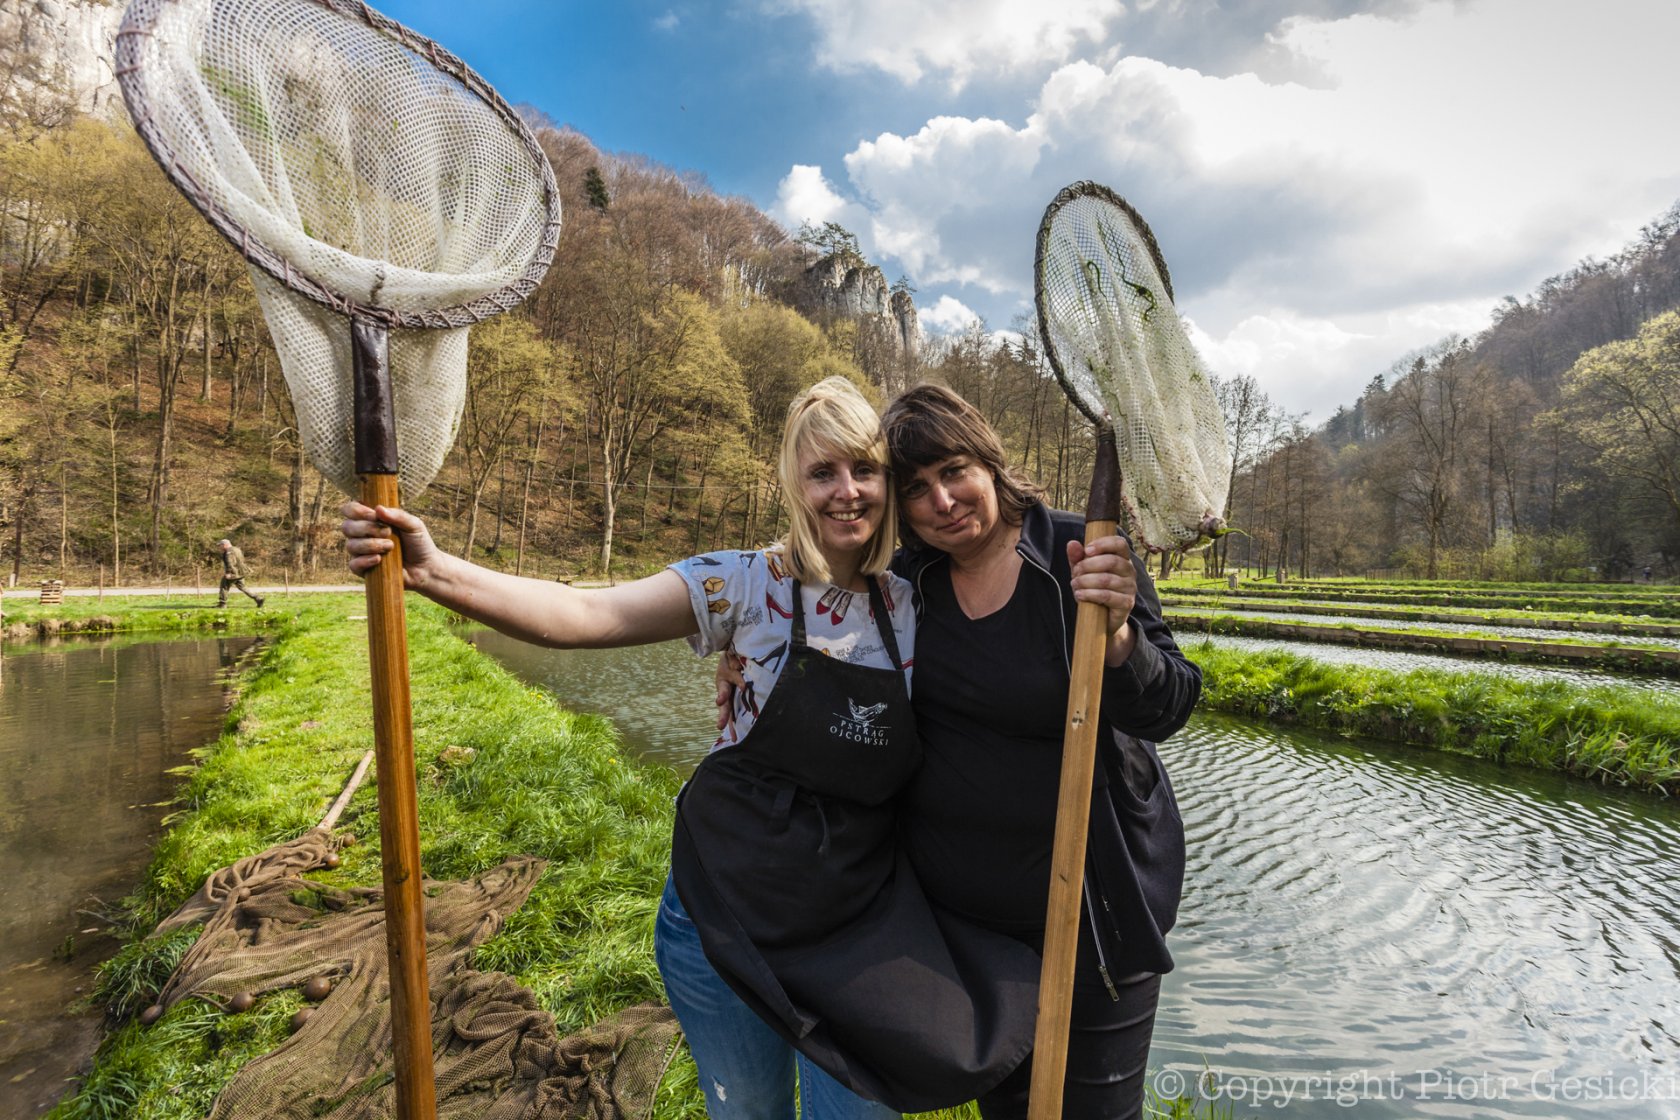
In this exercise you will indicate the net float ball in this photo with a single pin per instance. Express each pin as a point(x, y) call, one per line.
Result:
point(151, 1015)
point(331, 860)
point(302, 1017)
point(241, 1002)
point(317, 989)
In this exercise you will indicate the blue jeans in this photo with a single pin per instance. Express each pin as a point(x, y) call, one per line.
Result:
point(746, 1069)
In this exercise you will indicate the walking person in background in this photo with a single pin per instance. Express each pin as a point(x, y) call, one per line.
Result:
point(234, 573)
point(997, 575)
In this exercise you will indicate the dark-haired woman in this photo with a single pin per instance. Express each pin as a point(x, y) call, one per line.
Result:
point(992, 568)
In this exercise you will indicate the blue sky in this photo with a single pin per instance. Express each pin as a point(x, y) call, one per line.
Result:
point(1334, 183)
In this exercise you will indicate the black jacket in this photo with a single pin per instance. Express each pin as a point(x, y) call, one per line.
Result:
point(1135, 853)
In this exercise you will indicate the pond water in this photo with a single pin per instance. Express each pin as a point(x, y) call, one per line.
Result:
point(88, 734)
point(1367, 930)
point(1424, 934)
point(1527, 633)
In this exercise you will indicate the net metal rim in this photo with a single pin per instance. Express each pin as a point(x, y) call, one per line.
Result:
point(1085, 188)
point(139, 22)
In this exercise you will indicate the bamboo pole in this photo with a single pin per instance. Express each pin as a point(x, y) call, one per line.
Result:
point(330, 821)
point(1073, 810)
point(399, 814)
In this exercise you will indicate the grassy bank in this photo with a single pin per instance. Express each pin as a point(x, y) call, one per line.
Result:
point(1621, 656)
point(26, 618)
point(1610, 734)
point(503, 771)
point(1586, 623)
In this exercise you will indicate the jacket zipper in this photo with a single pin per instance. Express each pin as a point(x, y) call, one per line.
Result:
point(1089, 891)
point(1090, 887)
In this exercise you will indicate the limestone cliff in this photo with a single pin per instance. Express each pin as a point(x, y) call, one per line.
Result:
point(843, 285)
point(72, 41)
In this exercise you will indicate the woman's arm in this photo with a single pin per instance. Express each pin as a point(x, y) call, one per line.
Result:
point(550, 614)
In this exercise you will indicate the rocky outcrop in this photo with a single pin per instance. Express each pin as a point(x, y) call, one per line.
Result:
point(845, 286)
point(903, 311)
point(72, 43)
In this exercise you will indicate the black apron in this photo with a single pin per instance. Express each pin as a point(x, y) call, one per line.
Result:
point(785, 854)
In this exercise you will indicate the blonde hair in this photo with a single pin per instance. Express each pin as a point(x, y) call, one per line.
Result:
point(833, 417)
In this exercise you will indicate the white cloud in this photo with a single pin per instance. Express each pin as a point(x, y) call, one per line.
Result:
point(1312, 365)
point(947, 316)
point(667, 22)
point(954, 38)
point(1439, 160)
point(804, 195)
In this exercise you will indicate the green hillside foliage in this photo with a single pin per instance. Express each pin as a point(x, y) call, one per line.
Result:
point(1545, 448)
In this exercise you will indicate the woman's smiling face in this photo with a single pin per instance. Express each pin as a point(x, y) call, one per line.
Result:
point(952, 504)
point(847, 495)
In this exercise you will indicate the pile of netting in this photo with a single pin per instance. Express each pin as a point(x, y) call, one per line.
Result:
point(497, 1054)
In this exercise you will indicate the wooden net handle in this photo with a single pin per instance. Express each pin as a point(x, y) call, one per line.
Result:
point(1073, 810)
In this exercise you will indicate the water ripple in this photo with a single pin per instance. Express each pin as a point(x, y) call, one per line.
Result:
point(1356, 910)
point(1353, 908)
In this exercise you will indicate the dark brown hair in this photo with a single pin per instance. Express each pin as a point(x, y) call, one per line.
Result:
point(930, 423)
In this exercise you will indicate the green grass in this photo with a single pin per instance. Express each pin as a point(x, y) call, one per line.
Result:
point(1592, 621)
point(25, 617)
point(1619, 735)
point(526, 777)
point(1629, 656)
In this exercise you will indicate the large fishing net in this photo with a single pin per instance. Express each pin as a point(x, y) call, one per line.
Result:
point(363, 171)
point(1117, 344)
point(496, 1053)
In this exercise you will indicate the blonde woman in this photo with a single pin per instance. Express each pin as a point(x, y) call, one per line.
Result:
point(791, 933)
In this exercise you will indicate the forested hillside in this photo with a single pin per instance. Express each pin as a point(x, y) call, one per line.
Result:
point(629, 412)
point(1547, 447)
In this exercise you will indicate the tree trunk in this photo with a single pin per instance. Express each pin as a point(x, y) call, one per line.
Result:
point(204, 387)
point(609, 497)
point(647, 487)
point(501, 505)
point(609, 511)
point(63, 515)
point(19, 516)
point(700, 507)
point(314, 520)
point(294, 506)
point(472, 523)
point(525, 497)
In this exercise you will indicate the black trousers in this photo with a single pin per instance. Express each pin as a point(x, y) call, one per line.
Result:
point(1108, 1047)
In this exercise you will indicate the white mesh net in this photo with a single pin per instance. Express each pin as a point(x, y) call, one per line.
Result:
point(359, 167)
point(1121, 351)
